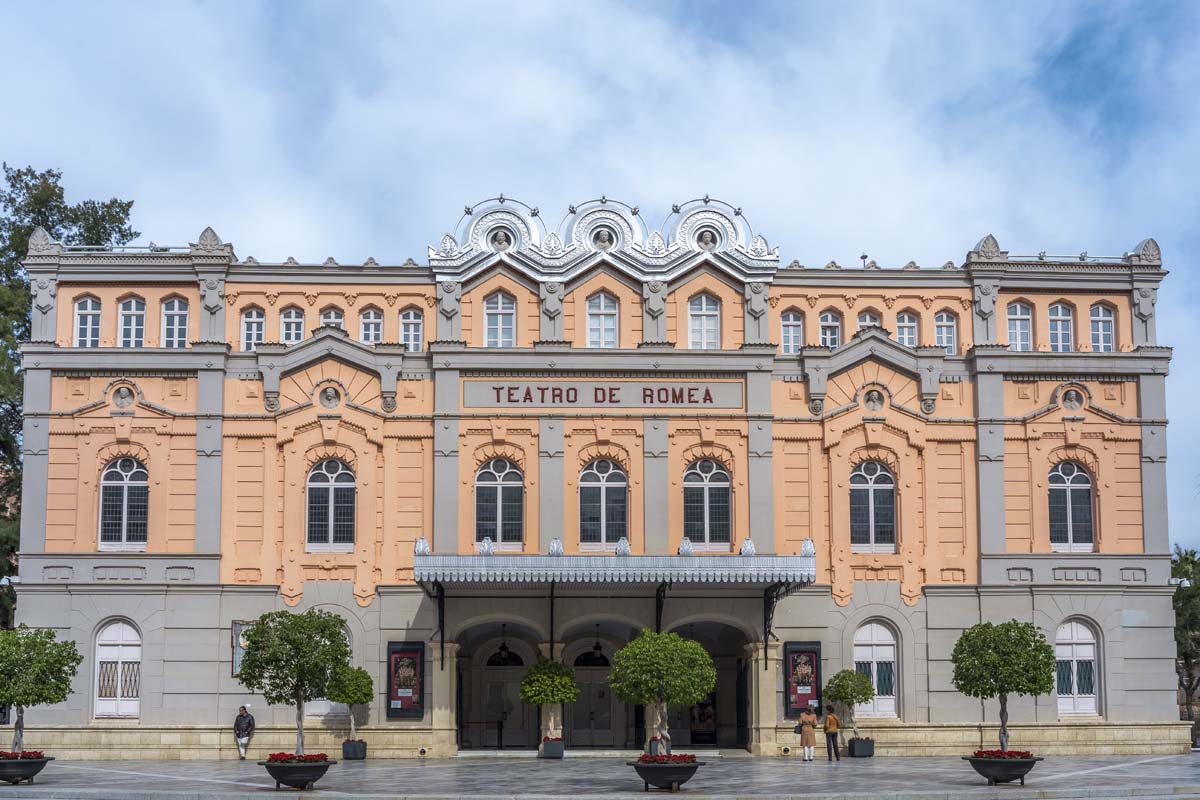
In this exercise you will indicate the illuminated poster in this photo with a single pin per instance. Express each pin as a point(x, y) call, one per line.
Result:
point(802, 676)
point(406, 679)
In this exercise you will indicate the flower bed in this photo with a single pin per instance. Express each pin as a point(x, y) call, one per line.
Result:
point(1002, 754)
point(22, 754)
point(552, 738)
point(292, 758)
point(680, 758)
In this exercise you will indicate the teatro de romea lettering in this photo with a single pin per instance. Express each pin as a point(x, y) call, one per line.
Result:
point(549, 437)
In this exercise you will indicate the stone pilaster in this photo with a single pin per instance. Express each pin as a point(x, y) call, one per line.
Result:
point(445, 460)
point(550, 295)
point(443, 698)
point(762, 486)
point(35, 454)
point(1152, 403)
point(989, 462)
point(763, 692)
point(210, 409)
point(654, 312)
point(550, 476)
point(657, 484)
point(449, 316)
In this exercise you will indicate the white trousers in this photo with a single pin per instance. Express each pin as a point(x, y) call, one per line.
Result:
point(242, 741)
point(808, 753)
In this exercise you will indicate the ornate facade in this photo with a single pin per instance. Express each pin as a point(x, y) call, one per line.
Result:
point(547, 438)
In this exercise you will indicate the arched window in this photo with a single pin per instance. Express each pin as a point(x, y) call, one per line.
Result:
point(1062, 325)
point(1075, 651)
point(906, 329)
point(603, 503)
point(707, 503)
point(875, 657)
point(868, 319)
point(602, 320)
point(331, 507)
point(412, 329)
point(499, 502)
point(500, 320)
point(1020, 327)
point(175, 323)
point(87, 322)
point(872, 509)
point(333, 316)
point(253, 326)
point(291, 325)
point(1103, 339)
point(1070, 508)
point(792, 332)
point(133, 322)
point(370, 324)
point(704, 322)
point(124, 505)
point(118, 671)
point(945, 331)
point(831, 330)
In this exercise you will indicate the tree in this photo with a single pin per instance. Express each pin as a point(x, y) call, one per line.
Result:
point(1185, 564)
point(661, 669)
point(549, 683)
point(352, 686)
point(292, 658)
point(850, 687)
point(999, 660)
point(35, 669)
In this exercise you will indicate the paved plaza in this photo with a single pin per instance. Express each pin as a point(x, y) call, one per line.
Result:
point(852, 779)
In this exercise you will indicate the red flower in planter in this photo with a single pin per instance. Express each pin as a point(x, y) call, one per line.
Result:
point(292, 758)
point(20, 754)
point(1003, 754)
point(555, 739)
point(680, 758)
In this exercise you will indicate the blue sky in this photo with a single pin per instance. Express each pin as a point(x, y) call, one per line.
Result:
point(906, 130)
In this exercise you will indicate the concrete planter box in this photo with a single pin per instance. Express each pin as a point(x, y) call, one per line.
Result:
point(354, 750)
point(860, 748)
point(15, 770)
point(298, 775)
point(552, 749)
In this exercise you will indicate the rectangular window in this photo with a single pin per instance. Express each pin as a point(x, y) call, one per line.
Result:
point(614, 515)
point(133, 328)
point(485, 512)
point(718, 514)
point(318, 515)
point(411, 333)
point(1085, 677)
point(589, 514)
point(372, 329)
point(602, 330)
point(693, 513)
point(512, 511)
point(175, 329)
point(1063, 671)
point(343, 514)
point(137, 513)
point(1020, 335)
point(860, 517)
point(885, 684)
point(1081, 516)
point(1059, 524)
point(885, 517)
point(112, 502)
point(1102, 335)
point(87, 328)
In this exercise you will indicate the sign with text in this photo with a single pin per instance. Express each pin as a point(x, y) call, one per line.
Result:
point(406, 679)
point(801, 677)
point(601, 394)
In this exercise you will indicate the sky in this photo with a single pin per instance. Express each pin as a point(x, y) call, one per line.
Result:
point(903, 130)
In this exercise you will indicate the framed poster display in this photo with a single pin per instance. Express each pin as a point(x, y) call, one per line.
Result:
point(406, 680)
point(801, 677)
point(237, 635)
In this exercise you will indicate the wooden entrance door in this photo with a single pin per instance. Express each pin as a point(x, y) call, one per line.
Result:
point(595, 717)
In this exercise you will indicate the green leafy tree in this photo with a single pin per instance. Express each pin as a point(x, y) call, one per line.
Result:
point(352, 686)
point(999, 660)
point(10, 541)
point(35, 669)
point(1185, 564)
point(849, 688)
point(292, 658)
point(549, 684)
point(661, 669)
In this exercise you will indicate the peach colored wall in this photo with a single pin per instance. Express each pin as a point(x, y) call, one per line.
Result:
point(589, 439)
point(1081, 303)
point(527, 329)
point(733, 321)
point(110, 298)
point(629, 310)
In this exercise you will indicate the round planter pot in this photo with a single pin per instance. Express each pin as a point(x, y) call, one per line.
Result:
point(354, 751)
point(297, 775)
point(15, 770)
point(665, 776)
point(1003, 770)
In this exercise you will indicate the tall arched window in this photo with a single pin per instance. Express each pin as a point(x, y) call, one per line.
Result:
point(331, 507)
point(500, 320)
point(1062, 328)
point(333, 316)
point(945, 331)
point(291, 325)
point(906, 329)
point(87, 322)
point(868, 319)
point(704, 322)
point(875, 657)
point(124, 505)
point(1070, 508)
point(1020, 327)
point(133, 322)
point(175, 323)
point(707, 503)
point(872, 509)
point(253, 326)
point(602, 320)
point(370, 324)
point(603, 503)
point(1103, 339)
point(1075, 651)
point(412, 329)
point(499, 502)
point(791, 332)
point(831, 330)
point(118, 671)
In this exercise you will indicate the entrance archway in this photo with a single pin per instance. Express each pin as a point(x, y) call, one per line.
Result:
point(723, 718)
point(493, 657)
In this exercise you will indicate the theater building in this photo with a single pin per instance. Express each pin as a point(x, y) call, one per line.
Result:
point(548, 437)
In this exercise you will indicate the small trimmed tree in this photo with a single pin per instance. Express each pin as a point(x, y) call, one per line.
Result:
point(661, 669)
point(549, 684)
point(292, 658)
point(35, 669)
point(849, 688)
point(352, 686)
point(998, 660)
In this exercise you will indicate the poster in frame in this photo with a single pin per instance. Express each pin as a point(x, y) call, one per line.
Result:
point(406, 680)
point(801, 677)
point(237, 637)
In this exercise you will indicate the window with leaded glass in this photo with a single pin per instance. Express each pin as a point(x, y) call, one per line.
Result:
point(175, 323)
point(1075, 674)
point(87, 322)
point(1062, 328)
point(291, 325)
point(875, 657)
point(1070, 490)
point(500, 320)
point(124, 505)
point(707, 503)
point(602, 320)
point(906, 329)
point(603, 503)
point(1020, 327)
point(791, 332)
point(704, 322)
point(412, 329)
point(331, 497)
point(500, 502)
point(1103, 339)
point(872, 509)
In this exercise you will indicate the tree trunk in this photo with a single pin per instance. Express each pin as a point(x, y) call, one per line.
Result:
point(299, 725)
point(1003, 722)
point(661, 727)
point(19, 730)
point(353, 733)
point(853, 719)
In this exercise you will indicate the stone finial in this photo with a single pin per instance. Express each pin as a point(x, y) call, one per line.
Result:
point(556, 547)
point(833, 265)
point(329, 262)
point(911, 265)
point(421, 546)
point(872, 264)
point(40, 243)
point(747, 548)
point(1147, 250)
point(209, 243)
point(486, 548)
point(685, 547)
point(807, 548)
point(988, 247)
point(623, 547)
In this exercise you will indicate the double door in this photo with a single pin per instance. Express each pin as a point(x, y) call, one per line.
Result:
point(596, 719)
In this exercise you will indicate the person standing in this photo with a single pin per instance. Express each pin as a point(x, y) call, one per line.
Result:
point(832, 724)
point(243, 729)
point(808, 732)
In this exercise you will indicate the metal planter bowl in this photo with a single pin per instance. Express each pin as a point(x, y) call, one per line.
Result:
point(15, 770)
point(665, 776)
point(298, 774)
point(1003, 770)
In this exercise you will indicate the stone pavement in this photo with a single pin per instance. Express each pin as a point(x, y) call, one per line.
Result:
point(1058, 777)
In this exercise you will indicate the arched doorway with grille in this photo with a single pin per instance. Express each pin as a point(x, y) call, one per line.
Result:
point(118, 671)
point(493, 657)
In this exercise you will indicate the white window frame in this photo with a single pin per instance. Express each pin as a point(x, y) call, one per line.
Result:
point(1103, 328)
point(945, 332)
point(90, 308)
point(874, 485)
point(1062, 328)
point(254, 326)
point(704, 322)
point(1075, 641)
point(603, 321)
point(791, 331)
point(614, 480)
point(1020, 327)
point(291, 325)
point(876, 643)
point(412, 329)
point(869, 319)
point(831, 329)
point(125, 483)
point(370, 325)
point(332, 315)
point(328, 545)
point(1072, 546)
point(131, 323)
point(500, 320)
point(117, 642)
point(175, 321)
point(718, 478)
point(908, 329)
point(503, 480)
